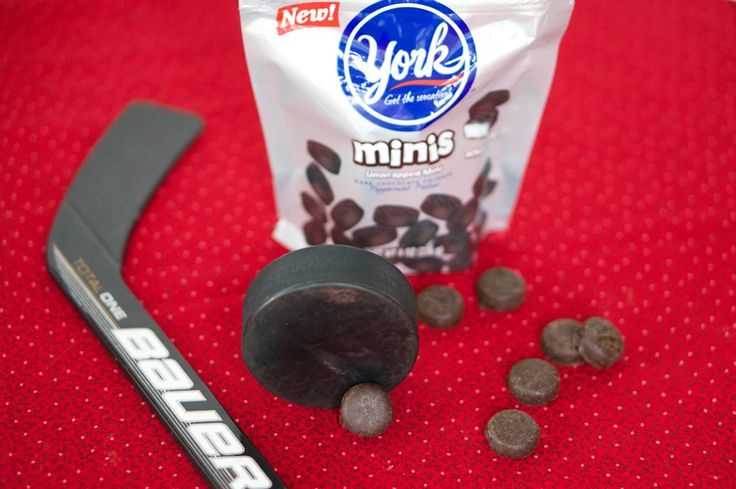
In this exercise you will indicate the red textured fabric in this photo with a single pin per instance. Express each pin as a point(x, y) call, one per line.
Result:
point(628, 211)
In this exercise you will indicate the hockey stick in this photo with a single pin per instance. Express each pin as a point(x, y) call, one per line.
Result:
point(84, 254)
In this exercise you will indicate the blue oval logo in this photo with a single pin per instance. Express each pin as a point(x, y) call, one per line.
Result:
point(404, 63)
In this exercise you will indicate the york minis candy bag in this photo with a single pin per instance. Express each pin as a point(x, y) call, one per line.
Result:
point(400, 126)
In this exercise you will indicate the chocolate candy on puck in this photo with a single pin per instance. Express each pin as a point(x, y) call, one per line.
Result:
point(319, 184)
point(440, 206)
point(323, 155)
point(373, 236)
point(366, 410)
point(533, 381)
point(314, 207)
point(559, 342)
point(426, 264)
point(320, 320)
point(315, 232)
point(440, 306)
point(512, 433)
point(346, 214)
point(480, 182)
point(600, 343)
point(395, 215)
point(462, 217)
point(419, 234)
point(457, 242)
point(500, 289)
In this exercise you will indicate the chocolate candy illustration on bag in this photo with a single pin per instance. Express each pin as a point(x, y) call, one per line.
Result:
point(399, 126)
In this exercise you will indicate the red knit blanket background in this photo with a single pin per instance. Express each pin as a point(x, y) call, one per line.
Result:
point(628, 211)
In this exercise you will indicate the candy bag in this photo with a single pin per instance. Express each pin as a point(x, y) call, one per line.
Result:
point(400, 126)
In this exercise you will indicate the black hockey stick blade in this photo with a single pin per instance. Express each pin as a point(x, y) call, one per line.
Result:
point(84, 254)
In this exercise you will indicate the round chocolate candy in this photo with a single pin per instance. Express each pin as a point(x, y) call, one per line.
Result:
point(314, 207)
point(419, 234)
point(500, 289)
point(319, 184)
point(600, 343)
point(534, 382)
point(512, 433)
point(314, 232)
point(366, 410)
point(395, 215)
point(462, 217)
point(346, 214)
point(440, 306)
point(440, 206)
point(559, 342)
point(320, 320)
point(373, 236)
point(325, 156)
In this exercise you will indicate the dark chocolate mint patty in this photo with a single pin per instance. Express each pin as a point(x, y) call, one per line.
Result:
point(320, 320)
point(315, 232)
point(323, 155)
point(500, 289)
point(440, 306)
point(314, 207)
point(485, 108)
point(340, 238)
point(395, 215)
point(461, 218)
point(373, 236)
point(559, 342)
point(419, 234)
point(534, 382)
point(600, 343)
point(346, 214)
point(440, 206)
point(512, 434)
point(319, 184)
point(366, 410)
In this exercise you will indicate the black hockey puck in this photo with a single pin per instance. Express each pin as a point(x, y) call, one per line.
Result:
point(320, 320)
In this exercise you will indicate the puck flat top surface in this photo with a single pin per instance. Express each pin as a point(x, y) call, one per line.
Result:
point(320, 320)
